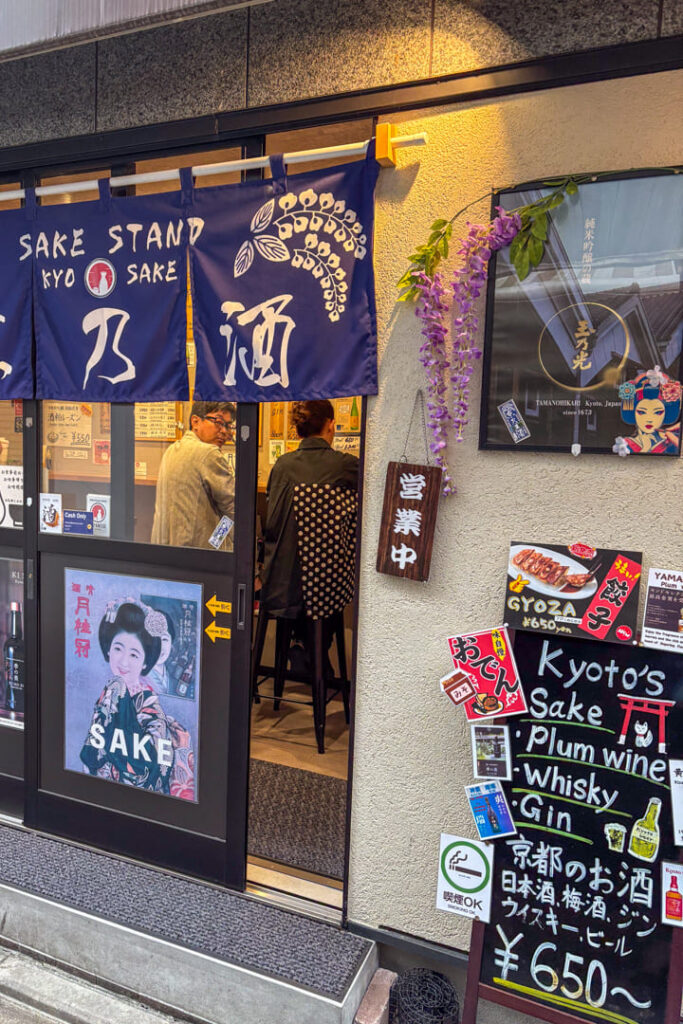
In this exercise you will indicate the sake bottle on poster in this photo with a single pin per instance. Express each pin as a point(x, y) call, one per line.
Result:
point(13, 657)
point(644, 840)
point(492, 816)
point(354, 420)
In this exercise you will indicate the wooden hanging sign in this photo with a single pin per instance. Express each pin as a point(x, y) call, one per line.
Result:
point(411, 500)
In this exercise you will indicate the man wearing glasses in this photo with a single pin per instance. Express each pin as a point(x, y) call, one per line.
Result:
point(196, 486)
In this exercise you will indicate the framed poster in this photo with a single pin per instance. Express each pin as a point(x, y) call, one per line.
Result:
point(584, 355)
point(576, 931)
point(574, 589)
point(132, 670)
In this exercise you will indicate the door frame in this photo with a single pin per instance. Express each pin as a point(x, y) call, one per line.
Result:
point(220, 860)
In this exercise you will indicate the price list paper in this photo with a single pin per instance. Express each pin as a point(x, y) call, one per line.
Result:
point(576, 922)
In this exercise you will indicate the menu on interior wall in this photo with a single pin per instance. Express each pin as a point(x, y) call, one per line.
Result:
point(576, 916)
point(575, 590)
point(67, 424)
point(155, 421)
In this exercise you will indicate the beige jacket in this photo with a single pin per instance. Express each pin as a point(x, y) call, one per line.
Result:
point(195, 489)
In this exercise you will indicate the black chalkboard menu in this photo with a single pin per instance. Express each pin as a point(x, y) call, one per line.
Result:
point(575, 921)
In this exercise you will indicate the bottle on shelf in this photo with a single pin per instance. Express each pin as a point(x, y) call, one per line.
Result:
point(13, 655)
point(354, 419)
point(277, 419)
point(644, 840)
point(673, 906)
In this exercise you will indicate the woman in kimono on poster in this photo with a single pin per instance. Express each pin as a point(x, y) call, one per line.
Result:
point(131, 738)
point(651, 401)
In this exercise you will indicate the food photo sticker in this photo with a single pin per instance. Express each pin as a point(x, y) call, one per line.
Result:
point(491, 752)
point(490, 810)
point(488, 660)
point(573, 590)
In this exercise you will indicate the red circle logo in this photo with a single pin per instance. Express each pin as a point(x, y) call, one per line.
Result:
point(624, 632)
point(100, 278)
point(99, 513)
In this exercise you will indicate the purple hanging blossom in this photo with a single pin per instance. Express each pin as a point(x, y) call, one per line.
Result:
point(431, 310)
point(454, 371)
point(468, 282)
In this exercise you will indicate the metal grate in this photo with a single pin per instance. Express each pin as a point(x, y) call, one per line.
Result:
point(423, 997)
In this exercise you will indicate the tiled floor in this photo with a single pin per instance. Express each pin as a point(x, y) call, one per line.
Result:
point(286, 736)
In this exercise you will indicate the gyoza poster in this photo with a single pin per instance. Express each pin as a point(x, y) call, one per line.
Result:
point(132, 677)
point(573, 589)
point(585, 353)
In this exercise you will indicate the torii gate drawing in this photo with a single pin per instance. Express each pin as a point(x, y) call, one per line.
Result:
point(646, 706)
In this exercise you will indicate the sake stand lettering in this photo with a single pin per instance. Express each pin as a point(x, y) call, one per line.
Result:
point(575, 932)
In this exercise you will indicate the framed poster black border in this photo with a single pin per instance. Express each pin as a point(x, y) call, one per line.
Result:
point(484, 444)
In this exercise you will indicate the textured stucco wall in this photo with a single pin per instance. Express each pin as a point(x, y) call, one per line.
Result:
point(412, 755)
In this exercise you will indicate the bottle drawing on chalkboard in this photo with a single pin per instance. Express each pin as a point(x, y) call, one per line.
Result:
point(644, 840)
point(492, 816)
point(673, 902)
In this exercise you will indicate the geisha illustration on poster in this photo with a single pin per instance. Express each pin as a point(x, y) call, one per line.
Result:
point(132, 660)
point(651, 403)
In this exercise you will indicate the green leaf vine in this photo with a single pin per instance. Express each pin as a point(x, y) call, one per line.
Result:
point(526, 249)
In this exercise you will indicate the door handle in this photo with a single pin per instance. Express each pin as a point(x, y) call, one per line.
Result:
point(241, 605)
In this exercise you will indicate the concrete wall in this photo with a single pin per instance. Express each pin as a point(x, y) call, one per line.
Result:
point(412, 754)
point(294, 49)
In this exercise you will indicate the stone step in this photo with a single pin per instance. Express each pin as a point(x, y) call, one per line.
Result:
point(32, 992)
point(186, 947)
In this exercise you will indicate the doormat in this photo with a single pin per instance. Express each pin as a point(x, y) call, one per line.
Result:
point(182, 911)
point(297, 818)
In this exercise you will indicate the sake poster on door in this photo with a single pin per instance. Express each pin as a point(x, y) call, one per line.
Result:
point(132, 671)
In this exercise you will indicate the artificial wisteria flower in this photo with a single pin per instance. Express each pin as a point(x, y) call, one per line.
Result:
point(454, 369)
point(432, 309)
point(468, 282)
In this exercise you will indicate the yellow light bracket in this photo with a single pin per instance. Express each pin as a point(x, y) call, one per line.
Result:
point(387, 141)
point(384, 144)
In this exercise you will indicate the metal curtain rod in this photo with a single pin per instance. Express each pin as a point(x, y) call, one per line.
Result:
point(203, 170)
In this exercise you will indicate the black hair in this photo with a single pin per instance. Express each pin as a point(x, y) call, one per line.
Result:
point(310, 417)
point(130, 619)
point(203, 409)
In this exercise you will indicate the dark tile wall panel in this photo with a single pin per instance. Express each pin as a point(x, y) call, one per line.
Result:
point(304, 48)
point(47, 96)
point(672, 18)
point(179, 71)
point(471, 34)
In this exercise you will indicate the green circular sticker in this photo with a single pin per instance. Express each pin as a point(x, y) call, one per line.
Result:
point(468, 864)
